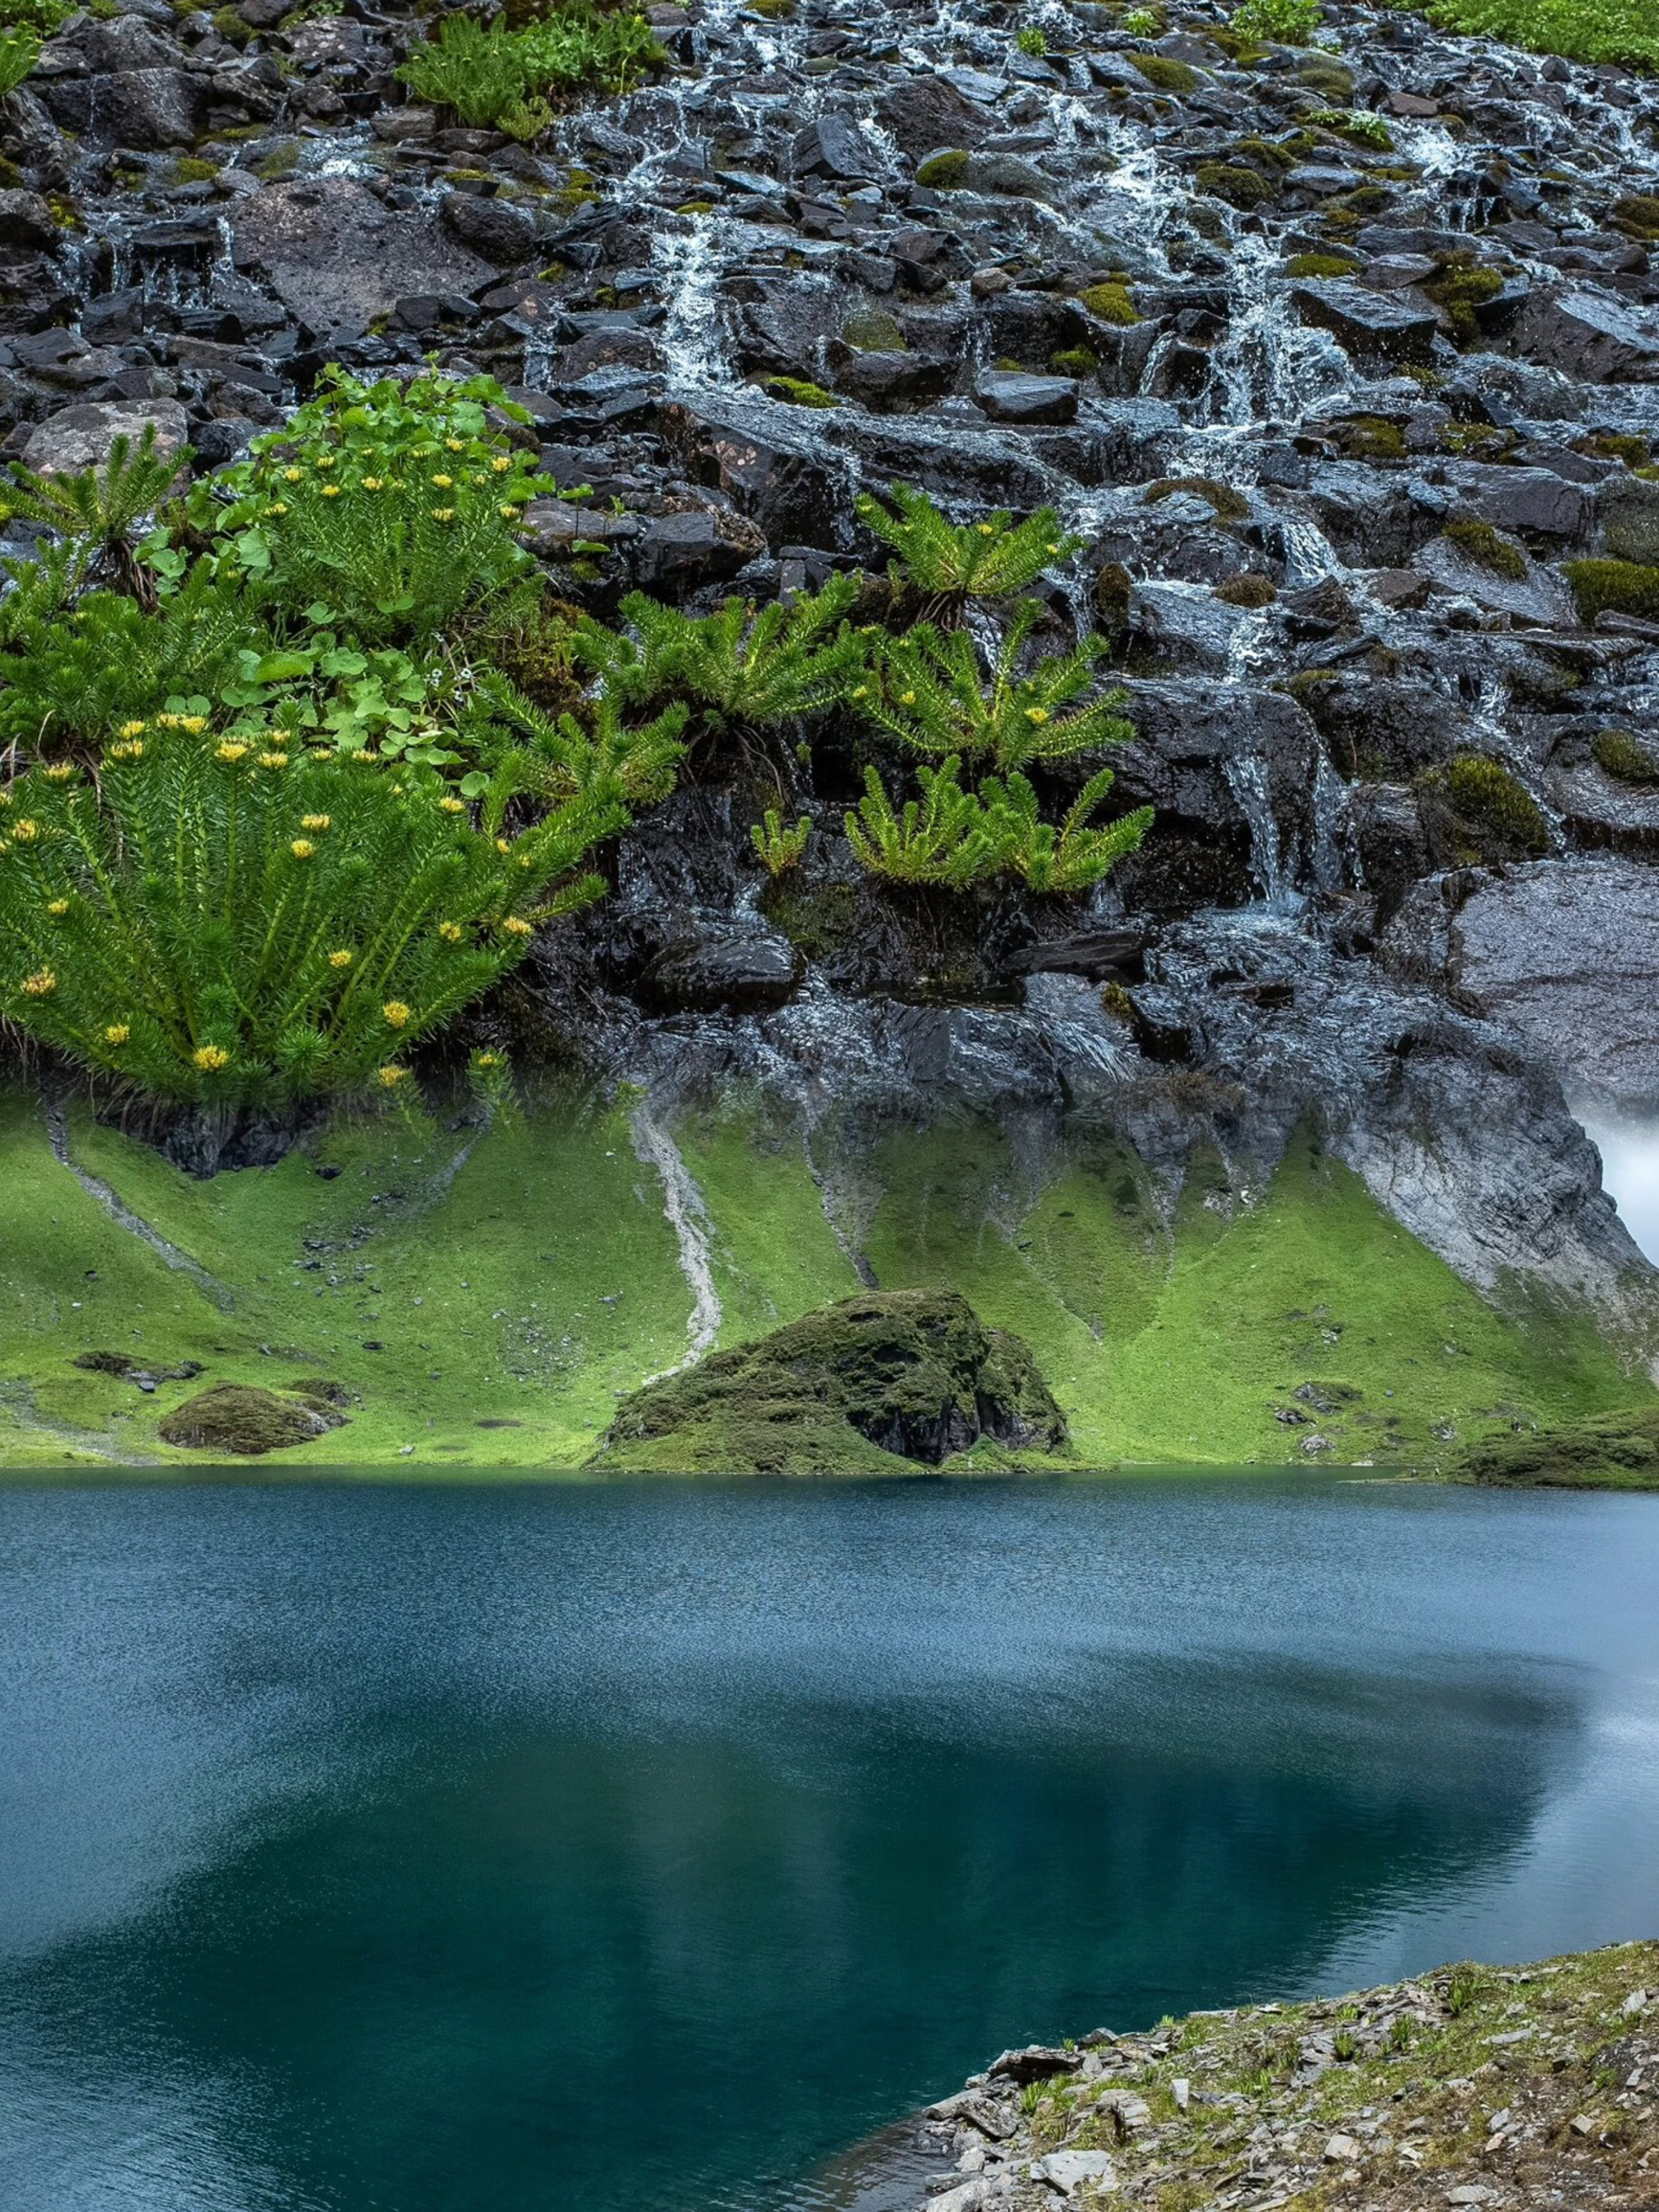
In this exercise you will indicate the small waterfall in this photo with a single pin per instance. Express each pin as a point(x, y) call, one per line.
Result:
point(1270, 363)
point(688, 1218)
point(1334, 855)
point(1247, 776)
point(688, 264)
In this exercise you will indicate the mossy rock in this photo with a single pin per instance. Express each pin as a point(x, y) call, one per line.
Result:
point(1492, 816)
point(1638, 215)
point(1323, 265)
point(1246, 590)
point(1613, 586)
point(873, 330)
point(1620, 753)
point(1164, 74)
point(1488, 549)
point(796, 391)
point(1601, 1452)
point(1459, 290)
point(943, 172)
point(1323, 74)
point(886, 1381)
point(1228, 505)
point(242, 1418)
point(1110, 302)
point(1242, 186)
point(1370, 438)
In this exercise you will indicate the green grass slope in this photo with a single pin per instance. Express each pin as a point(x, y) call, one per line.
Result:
point(1626, 31)
point(488, 1299)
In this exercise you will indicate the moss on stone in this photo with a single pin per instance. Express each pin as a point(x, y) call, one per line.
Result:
point(1229, 506)
point(1370, 438)
point(797, 392)
point(1630, 447)
point(1235, 182)
point(1073, 361)
point(1638, 215)
point(873, 330)
point(1247, 590)
point(1624, 756)
point(1488, 549)
point(894, 1376)
point(1165, 74)
point(1110, 302)
point(242, 1418)
point(1458, 290)
point(1497, 815)
point(943, 172)
point(1617, 1450)
point(1613, 586)
point(189, 168)
point(1323, 265)
point(1323, 74)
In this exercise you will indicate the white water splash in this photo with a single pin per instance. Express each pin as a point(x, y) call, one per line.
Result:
point(688, 1218)
point(688, 266)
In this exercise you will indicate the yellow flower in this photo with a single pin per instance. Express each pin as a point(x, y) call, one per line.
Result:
point(450, 932)
point(327, 459)
point(193, 724)
point(330, 491)
point(40, 985)
point(364, 754)
point(117, 1033)
point(907, 698)
point(504, 845)
point(397, 1014)
point(486, 1060)
point(452, 806)
point(443, 515)
point(1054, 549)
point(60, 772)
point(862, 691)
point(57, 906)
point(26, 831)
point(130, 730)
point(340, 960)
point(986, 531)
point(277, 506)
point(443, 482)
point(517, 927)
point(292, 475)
point(230, 752)
point(301, 848)
point(315, 821)
point(1037, 716)
point(371, 484)
point(272, 760)
point(500, 464)
point(455, 444)
point(508, 513)
point(211, 1058)
point(391, 1078)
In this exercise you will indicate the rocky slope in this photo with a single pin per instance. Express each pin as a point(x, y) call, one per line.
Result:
point(1335, 404)
point(1534, 2086)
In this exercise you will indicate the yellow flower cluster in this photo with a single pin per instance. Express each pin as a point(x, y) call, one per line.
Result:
point(192, 725)
point(301, 848)
point(516, 926)
point(450, 932)
point(57, 906)
point(60, 772)
point(392, 1076)
point(40, 984)
point(452, 806)
point(133, 750)
point(211, 1058)
point(397, 1013)
point(25, 831)
point(117, 1033)
point(340, 960)
point(231, 752)
point(316, 821)
point(272, 760)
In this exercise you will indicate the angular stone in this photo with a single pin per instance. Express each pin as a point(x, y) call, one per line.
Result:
point(1366, 325)
point(80, 438)
point(721, 967)
point(834, 146)
point(1535, 500)
point(496, 228)
point(337, 257)
point(1068, 2171)
point(1590, 336)
point(26, 221)
point(1011, 395)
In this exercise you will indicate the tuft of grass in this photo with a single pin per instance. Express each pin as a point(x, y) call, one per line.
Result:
point(1623, 31)
point(1488, 549)
point(1323, 265)
point(1613, 586)
point(1501, 815)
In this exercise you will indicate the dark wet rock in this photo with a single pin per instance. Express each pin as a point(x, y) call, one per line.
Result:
point(27, 220)
point(1369, 325)
point(925, 113)
point(1012, 396)
point(246, 1421)
point(337, 257)
point(494, 228)
point(895, 1375)
point(722, 967)
point(1602, 811)
point(1589, 336)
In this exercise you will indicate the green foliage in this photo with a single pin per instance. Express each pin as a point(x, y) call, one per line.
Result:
point(490, 75)
point(1613, 586)
point(1322, 265)
point(1489, 549)
point(1620, 753)
point(1276, 22)
point(19, 52)
point(1500, 812)
point(957, 837)
point(1032, 39)
point(1363, 128)
point(1165, 74)
point(954, 562)
point(932, 695)
point(1622, 30)
point(779, 849)
point(217, 923)
point(520, 749)
point(740, 668)
point(393, 509)
point(943, 172)
point(1143, 23)
point(800, 392)
point(98, 510)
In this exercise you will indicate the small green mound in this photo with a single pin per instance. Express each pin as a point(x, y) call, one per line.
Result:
point(1478, 542)
point(240, 1417)
point(1459, 289)
point(1637, 213)
point(1624, 756)
point(1601, 1452)
point(1502, 819)
point(1233, 180)
point(1370, 437)
point(796, 391)
point(1619, 30)
point(1110, 302)
point(1613, 588)
point(1323, 265)
point(1247, 590)
point(873, 330)
point(884, 1381)
point(1165, 74)
point(1073, 361)
point(1229, 506)
point(943, 172)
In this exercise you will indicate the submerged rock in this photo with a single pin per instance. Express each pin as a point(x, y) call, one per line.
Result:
point(887, 1377)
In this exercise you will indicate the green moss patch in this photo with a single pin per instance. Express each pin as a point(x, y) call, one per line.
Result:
point(1110, 302)
point(943, 172)
point(1623, 755)
point(1229, 506)
point(1613, 586)
point(1165, 74)
point(1478, 542)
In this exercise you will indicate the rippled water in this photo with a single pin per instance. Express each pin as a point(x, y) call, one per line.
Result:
point(370, 1849)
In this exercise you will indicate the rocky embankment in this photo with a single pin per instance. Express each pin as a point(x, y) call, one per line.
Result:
point(1343, 361)
point(1534, 2086)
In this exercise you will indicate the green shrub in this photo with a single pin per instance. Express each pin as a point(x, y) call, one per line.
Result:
point(1110, 302)
point(779, 849)
point(930, 694)
point(19, 52)
point(1583, 29)
point(485, 73)
point(99, 510)
point(1032, 41)
point(1143, 23)
point(1613, 586)
point(1279, 22)
point(1480, 543)
point(214, 923)
point(1352, 123)
point(957, 837)
point(943, 172)
point(392, 508)
point(1624, 756)
point(953, 562)
point(1165, 74)
point(796, 391)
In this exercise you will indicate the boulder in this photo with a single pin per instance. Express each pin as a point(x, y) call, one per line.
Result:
point(924, 113)
point(497, 229)
point(148, 109)
point(80, 438)
point(721, 967)
point(888, 1376)
point(1369, 325)
point(244, 1419)
point(834, 146)
point(26, 221)
point(337, 257)
point(1009, 395)
point(1589, 336)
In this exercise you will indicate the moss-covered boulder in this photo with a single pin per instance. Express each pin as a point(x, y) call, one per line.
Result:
point(242, 1418)
point(1603, 1451)
point(889, 1379)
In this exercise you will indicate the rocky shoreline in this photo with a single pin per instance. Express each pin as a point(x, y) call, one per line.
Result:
point(1524, 2090)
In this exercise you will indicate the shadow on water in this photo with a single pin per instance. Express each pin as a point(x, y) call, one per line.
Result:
point(637, 1849)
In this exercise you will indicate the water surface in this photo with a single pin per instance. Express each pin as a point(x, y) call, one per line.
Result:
point(420, 1850)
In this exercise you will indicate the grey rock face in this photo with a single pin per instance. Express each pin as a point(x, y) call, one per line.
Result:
point(77, 437)
point(1589, 336)
point(337, 257)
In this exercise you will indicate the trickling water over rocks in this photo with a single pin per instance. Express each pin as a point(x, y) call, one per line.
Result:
point(1330, 405)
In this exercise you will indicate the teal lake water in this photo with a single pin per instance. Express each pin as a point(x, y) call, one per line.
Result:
point(495, 1849)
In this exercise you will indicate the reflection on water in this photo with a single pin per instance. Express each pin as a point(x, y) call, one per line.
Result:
point(1629, 1149)
point(638, 1847)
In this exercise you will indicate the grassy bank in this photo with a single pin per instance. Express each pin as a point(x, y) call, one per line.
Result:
point(486, 1300)
point(1623, 31)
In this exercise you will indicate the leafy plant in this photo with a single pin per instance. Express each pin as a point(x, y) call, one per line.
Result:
point(97, 509)
point(386, 510)
point(1032, 39)
point(742, 667)
point(954, 562)
point(19, 52)
point(957, 837)
point(1622, 30)
point(492, 75)
point(521, 749)
point(1281, 22)
point(213, 922)
point(933, 697)
point(1067, 856)
point(779, 849)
